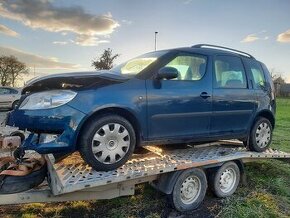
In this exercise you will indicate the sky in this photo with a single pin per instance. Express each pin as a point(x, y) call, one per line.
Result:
point(56, 36)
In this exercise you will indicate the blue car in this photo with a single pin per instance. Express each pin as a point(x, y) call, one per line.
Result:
point(176, 96)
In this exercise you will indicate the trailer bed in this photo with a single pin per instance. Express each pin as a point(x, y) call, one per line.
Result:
point(72, 179)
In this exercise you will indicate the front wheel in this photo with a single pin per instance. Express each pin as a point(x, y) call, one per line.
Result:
point(261, 135)
point(107, 142)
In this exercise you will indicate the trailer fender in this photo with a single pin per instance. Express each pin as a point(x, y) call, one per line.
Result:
point(241, 165)
point(165, 182)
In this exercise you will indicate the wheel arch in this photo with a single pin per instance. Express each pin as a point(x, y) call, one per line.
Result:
point(266, 114)
point(125, 113)
point(14, 102)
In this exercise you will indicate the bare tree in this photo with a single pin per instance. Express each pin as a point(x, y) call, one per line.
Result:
point(11, 69)
point(105, 61)
point(277, 77)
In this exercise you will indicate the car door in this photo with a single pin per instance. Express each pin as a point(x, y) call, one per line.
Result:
point(5, 98)
point(180, 107)
point(233, 99)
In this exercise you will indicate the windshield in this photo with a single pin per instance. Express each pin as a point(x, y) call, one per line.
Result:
point(136, 65)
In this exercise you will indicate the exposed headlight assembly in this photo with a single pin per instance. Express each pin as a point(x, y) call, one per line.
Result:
point(47, 99)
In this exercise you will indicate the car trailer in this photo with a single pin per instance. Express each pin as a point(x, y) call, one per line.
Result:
point(181, 172)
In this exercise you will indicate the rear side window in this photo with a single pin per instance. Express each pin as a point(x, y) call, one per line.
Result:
point(229, 72)
point(257, 74)
point(4, 91)
point(13, 91)
point(190, 67)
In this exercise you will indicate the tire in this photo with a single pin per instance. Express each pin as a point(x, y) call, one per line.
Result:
point(16, 184)
point(183, 199)
point(15, 104)
point(225, 180)
point(107, 142)
point(261, 135)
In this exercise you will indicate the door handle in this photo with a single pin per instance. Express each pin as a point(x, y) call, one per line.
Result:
point(204, 95)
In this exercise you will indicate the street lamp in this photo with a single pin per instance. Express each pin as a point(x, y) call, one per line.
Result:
point(156, 40)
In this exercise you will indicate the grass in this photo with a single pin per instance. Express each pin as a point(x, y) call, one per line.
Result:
point(266, 194)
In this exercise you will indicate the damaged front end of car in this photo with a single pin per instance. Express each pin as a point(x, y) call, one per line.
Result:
point(46, 110)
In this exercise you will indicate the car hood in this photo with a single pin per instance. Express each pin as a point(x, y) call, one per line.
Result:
point(73, 81)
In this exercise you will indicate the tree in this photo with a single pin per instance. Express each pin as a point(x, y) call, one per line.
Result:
point(279, 80)
point(11, 69)
point(105, 62)
point(277, 77)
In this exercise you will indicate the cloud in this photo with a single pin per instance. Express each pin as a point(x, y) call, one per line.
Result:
point(250, 38)
point(255, 36)
point(60, 42)
point(83, 40)
point(284, 37)
point(87, 40)
point(186, 2)
point(37, 61)
point(7, 31)
point(127, 22)
point(44, 15)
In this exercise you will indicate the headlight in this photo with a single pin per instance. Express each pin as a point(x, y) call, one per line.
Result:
point(47, 99)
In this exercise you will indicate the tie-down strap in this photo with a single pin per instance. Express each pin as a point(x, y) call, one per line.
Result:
point(5, 162)
point(25, 167)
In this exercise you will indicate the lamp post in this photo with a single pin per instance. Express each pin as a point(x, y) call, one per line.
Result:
point(156, 40)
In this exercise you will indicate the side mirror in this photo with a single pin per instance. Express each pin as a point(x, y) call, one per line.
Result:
point(167, 73)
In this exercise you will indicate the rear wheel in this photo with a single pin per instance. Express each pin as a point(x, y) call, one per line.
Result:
point(107, 142)
point(189, 190)
point(261, 135)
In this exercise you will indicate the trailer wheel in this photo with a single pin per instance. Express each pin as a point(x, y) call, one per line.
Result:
point(189, 190)
point(225, 179)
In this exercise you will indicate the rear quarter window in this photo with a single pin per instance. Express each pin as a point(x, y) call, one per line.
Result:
point(257, 74)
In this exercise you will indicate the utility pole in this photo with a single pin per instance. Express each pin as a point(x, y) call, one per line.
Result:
point(156, 40)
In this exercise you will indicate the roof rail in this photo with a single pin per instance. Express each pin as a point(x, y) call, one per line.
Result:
point(223, 48)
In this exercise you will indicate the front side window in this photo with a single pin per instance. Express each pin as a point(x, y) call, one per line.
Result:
point(229, 72)
point(189, 67)
point(257, 74)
